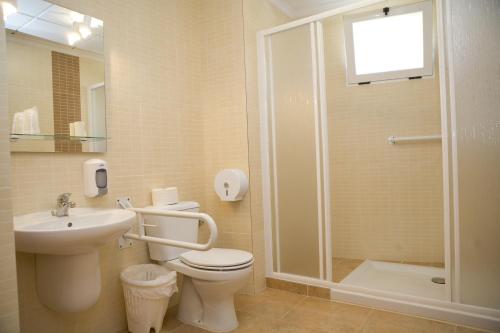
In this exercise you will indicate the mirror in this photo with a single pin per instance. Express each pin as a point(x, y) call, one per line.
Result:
point(56, 89)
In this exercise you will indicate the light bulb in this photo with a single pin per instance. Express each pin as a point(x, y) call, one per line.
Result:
point(8, 8)
point(76, 17)
point(73, 37)
point(95, 23)
point(84, 31)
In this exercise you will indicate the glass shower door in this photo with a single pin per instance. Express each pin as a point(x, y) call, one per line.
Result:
point(295, 161)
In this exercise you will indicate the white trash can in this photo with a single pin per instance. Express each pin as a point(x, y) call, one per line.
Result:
point(147, 289)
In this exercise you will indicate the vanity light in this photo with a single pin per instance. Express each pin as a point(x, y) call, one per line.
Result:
point(73, 37)
point(84, 27)
point(76, 17)
point(84, 30)
point(9, 7)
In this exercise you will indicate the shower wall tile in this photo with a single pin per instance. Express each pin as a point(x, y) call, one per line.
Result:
point(387, 200)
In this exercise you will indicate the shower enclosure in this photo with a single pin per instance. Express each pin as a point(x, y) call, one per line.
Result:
point(359, 185)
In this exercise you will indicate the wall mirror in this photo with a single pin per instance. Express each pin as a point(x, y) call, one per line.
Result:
point(56, 87)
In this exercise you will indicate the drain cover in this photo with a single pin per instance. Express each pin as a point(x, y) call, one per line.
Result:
point(438, 280)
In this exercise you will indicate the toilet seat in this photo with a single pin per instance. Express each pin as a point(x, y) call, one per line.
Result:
point(217, 259)
point(221, 269)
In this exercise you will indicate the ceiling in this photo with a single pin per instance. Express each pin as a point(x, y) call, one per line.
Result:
point(48, 21)
point(301, 8)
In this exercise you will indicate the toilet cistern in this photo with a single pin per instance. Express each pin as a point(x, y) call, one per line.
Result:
point(63, 205)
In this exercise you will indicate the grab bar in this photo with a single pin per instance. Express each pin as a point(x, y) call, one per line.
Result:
point(170, 242)
point(394, 139)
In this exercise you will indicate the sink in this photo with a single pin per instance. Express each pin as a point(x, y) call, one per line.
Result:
point(82, 231)
point(68, 277)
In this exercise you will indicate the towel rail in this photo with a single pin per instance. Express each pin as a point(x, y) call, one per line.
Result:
point(394, 139)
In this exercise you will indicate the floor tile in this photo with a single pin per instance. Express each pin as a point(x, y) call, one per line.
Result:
point(277, 311)
point(273, 303)
point(323, 315)
point(461, 329)
point(388, 322)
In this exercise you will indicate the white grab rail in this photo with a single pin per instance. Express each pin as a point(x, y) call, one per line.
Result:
point(394, 139)
point(170, 242)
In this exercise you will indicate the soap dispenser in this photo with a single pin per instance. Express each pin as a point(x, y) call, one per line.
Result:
point(95, 178)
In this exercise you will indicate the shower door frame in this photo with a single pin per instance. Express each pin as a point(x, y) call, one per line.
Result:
point(448, 309)
point(321, 154)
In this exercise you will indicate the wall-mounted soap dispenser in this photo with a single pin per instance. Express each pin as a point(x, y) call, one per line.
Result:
point(95, 178)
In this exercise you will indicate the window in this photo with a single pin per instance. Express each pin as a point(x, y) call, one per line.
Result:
point(391, 43)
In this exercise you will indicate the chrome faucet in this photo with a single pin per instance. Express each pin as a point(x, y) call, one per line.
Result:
point(63, 205)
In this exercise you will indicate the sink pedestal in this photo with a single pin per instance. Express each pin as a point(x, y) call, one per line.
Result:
point(68, 283)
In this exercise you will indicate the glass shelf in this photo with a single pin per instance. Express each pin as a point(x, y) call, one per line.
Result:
point(55, 137)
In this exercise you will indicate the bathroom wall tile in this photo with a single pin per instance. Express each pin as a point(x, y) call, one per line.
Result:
point(257, 15)
point(9, 310)
point(177, 106)
point(153, 70)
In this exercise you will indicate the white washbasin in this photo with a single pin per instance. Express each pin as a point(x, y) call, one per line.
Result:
point(82, 231)
point(68, 276)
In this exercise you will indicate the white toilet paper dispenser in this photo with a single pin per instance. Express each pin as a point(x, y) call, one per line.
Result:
point(231, 184)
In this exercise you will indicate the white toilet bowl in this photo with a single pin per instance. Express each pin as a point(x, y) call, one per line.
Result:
point(211, 278)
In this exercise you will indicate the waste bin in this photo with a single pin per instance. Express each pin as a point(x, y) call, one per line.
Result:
point(147, 289)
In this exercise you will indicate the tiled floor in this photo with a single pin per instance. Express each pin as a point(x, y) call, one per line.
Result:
point(285, 312)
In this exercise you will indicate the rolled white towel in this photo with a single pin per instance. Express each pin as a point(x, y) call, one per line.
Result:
point(31, 122)
point(18, 123)
point(80, 128)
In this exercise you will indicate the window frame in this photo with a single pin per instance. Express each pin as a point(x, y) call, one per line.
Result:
point(427, 70)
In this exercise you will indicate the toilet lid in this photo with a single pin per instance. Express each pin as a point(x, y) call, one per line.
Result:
point(217, 258)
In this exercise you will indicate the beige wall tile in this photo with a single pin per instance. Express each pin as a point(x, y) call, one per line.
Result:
point(386, 200)
point(176, 82)
point(258, 15)
point(9, 311)
point(153, 70)
point(176, 114)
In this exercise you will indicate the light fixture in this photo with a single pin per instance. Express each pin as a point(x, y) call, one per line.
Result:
point(74, 35)
point(95, 23)
point(76, 17)
point(84, 30)
point(9, 7)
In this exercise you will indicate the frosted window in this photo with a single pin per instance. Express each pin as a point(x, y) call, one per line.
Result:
point(394, 46)
point(389, 44)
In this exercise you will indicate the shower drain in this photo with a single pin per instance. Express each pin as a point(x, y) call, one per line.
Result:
point(438, 280)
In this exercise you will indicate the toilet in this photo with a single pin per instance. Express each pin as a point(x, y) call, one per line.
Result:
point(210, 278)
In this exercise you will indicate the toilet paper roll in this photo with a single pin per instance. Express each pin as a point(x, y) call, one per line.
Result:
point(231, 184)
point(165, 196)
